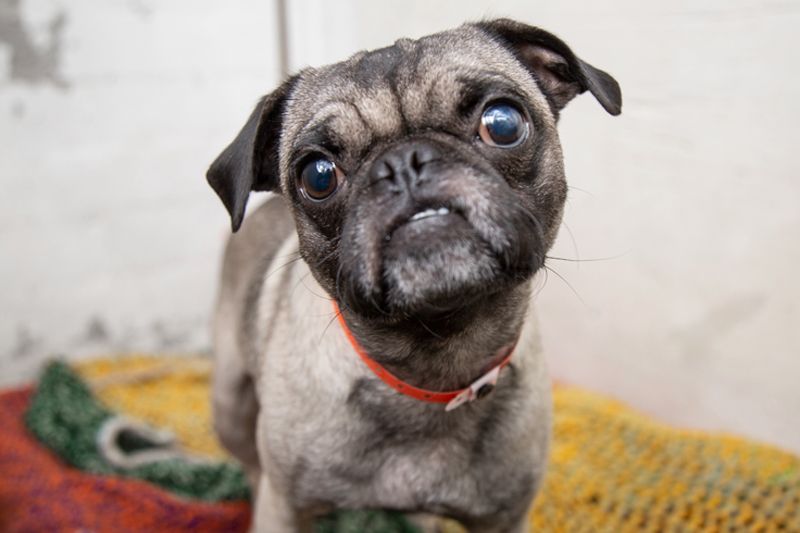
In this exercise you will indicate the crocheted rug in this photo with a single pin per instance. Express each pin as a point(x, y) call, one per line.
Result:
point(611, 469)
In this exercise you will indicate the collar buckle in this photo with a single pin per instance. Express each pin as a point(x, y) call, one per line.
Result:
point(480, 388)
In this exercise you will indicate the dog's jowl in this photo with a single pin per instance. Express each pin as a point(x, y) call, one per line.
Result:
point(373, 337)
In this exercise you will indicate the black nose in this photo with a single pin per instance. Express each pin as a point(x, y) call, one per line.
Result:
point(403, 167)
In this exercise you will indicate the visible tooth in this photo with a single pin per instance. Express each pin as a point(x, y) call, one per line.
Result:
point(424, 214)
point(430, 213)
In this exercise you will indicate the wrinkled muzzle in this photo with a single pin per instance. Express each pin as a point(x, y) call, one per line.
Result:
point(429, 231)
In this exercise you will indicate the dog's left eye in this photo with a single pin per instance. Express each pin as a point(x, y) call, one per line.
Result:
point(319, 179)
point(503, 125)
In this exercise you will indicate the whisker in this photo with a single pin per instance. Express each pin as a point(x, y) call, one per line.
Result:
point(568, 284)
point(544, 283)
point(338, 284)
point(336, 315)
point(534, 220)
point(590, 260)
point(574, 243)
point(287, 263)
point(303, 281)
point(293, 254)
point(584, 191)
point(429, 330)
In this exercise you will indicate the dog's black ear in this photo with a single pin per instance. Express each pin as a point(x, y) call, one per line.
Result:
point(250, 162)
point(561, 74)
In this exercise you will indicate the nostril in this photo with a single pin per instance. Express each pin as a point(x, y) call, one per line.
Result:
point(420, 156)
point(403, 166)
point(382, 171)
point(416, 163)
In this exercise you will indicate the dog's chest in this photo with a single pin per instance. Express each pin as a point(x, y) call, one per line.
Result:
point(436, 475)
point(338, 452)
point(334, 435)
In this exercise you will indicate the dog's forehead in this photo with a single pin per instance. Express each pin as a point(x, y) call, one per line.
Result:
point(413, 84)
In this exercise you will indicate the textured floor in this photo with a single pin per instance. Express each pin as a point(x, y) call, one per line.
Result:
point(611, 469)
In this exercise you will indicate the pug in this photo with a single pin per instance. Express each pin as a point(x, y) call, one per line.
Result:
point(373, 339)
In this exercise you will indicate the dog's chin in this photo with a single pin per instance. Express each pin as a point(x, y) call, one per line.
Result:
point(437, 265)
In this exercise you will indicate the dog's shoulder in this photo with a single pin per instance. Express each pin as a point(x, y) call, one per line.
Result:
point(248, 255)
point(254, 246)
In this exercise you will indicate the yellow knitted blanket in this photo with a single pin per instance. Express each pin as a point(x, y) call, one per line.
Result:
point(611, 469)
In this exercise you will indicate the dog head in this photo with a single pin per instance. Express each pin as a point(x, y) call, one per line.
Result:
point(425, 176)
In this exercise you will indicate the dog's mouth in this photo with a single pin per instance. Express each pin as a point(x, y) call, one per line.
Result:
point(432, 260)
point(429, 212)
point(424, 219)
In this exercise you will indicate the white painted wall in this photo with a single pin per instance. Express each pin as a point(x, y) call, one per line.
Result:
point(109, 235)
point(693, 191)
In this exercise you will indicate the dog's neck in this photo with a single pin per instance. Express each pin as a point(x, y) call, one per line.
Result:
point(446, 353)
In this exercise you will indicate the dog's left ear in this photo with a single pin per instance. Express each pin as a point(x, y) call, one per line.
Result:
point(250, 162)
point(560, 73)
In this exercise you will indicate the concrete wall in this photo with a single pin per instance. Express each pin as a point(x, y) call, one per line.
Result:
point(683, 210)
point(109, 235)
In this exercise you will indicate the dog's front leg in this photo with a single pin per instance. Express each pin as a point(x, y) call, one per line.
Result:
point(513, 520)
point(519, 526)
point(235, 407)
point(522, 526)
point(272, 512)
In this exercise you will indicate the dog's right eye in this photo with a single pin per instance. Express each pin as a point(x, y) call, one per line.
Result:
point(319, 179)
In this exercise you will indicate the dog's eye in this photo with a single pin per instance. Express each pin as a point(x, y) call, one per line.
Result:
point(320, 179)
point(503, 125)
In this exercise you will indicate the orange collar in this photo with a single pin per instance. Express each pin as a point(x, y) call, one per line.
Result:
point(476, 390)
